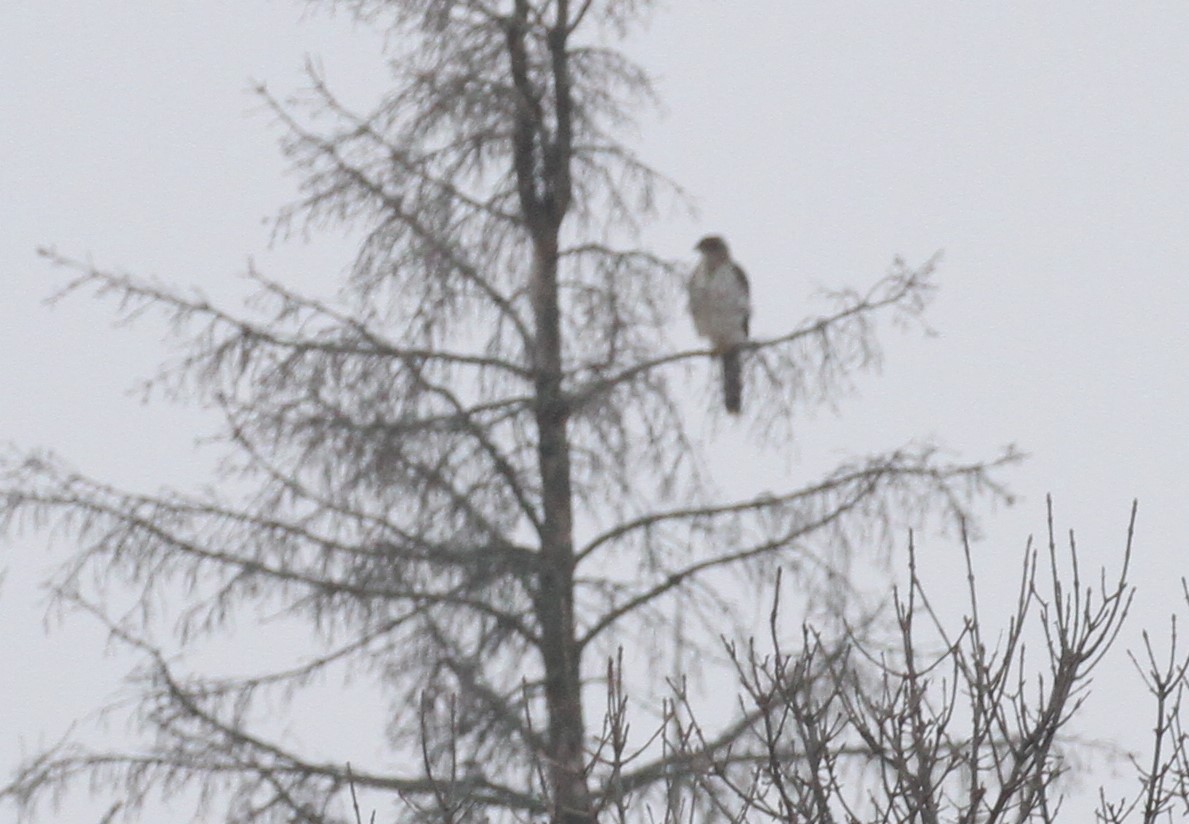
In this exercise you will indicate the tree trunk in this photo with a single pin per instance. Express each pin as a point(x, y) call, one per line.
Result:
point(542, 167)
point(555, 595)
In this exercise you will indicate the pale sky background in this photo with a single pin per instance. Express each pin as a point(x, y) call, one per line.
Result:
point(1043, 147)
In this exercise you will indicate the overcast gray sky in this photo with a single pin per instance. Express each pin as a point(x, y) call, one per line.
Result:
point(1043, 147)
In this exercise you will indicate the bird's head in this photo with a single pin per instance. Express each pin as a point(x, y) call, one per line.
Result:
point(711, 244)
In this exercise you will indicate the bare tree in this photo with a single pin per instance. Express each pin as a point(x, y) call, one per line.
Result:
point(473, 473)
point(931, 725)
point(937, 725)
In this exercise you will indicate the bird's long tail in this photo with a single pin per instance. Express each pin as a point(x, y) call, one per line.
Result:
point(732, 381)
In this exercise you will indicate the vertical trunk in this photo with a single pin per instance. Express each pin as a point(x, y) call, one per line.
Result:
point(542, 165)
point(555, 599)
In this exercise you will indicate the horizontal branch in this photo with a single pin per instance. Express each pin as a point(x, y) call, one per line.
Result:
point(126, 511)
point(369, 343)
point(855, 485)
point(880, 466)
point(903, 288)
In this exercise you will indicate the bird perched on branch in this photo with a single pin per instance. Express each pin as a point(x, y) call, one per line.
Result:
point(720, 303)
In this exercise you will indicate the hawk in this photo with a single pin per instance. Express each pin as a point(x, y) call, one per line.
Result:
point(720, 303)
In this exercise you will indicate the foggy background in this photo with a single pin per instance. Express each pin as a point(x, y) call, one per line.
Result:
point(1045, 149)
